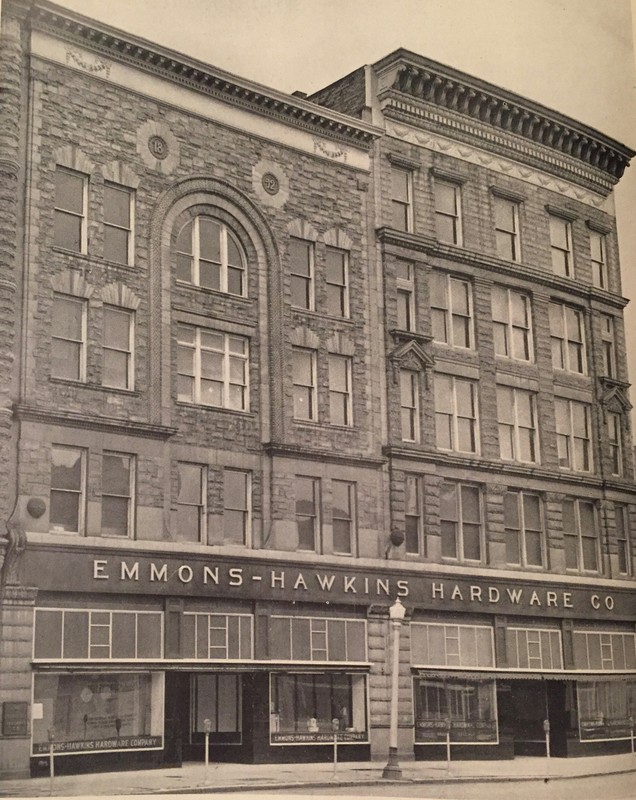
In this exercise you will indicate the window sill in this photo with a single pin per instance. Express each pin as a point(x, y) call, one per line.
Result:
point(322, 315)
point(212, 292)
point(100, 387)
point(201, 407)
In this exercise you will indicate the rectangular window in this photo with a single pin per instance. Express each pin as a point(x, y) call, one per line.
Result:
point(599, 260)
point(405, 296)
point(304, 378)
point(68, 344)
point(301, 259)
point(434, 644)
point(413, 538)
point(512, 324)
point(307, 492)
point(337, 279)
point(301, 638)
point(409, 405)
point(561, 246)
point(534, 648)
point(118, 494)
point(567, 332)
point(623, 543)
point(574, 438)
point(191, 503)
point(217, 637)
point(343, 517)
point(217, 707)
point(523, 523)
point(518, 429)
point(467, 705)
point(460, 520)
point(118, 223)
point(615, 441)
point(580, 536)
point(68, 489)
point(237, 496)
point(448, 226)
point(209, 256)
point(305, 706)
point(340, 390)
point(213, 368)
point(118, 338)
point(456, 414)
point(401, 188)
point(604, 709)
point(608, 338)
point(71, 189)
point(451, 310)
point(507, 229)
point(604, 650)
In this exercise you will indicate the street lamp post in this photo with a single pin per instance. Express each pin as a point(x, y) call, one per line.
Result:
point(396, 615)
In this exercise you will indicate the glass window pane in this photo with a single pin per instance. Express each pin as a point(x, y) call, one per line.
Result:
point(209, 239)
point(445, 197)
point(235, 489)
point(68, 317)
point(116, 474)
point(116, 328)
point(234, 256)
point(115, 369)
point(511, 510)
point(299, 255)
point(64, 511)
point(399, 184)
point(115, 516)
point(66, 468)
point(117, 206)
point(188, 523)
point(470, 504)
point(190, 483)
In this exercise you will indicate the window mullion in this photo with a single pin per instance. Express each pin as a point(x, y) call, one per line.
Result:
point(196, 241)
point(223, 278)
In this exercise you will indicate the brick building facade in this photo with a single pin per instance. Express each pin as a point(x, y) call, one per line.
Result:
point(273, 361)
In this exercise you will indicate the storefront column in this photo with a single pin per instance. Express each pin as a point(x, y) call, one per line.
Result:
point(16, 624)
point(379, 644)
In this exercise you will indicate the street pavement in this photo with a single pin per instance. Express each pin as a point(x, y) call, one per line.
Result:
point(194, 778)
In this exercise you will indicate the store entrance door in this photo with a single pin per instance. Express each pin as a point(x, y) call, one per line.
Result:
point(531, 703)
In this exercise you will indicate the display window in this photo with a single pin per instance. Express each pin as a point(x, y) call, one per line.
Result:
point(605, 708)
point(98, 712)
point(306, 708)
point(465, 708)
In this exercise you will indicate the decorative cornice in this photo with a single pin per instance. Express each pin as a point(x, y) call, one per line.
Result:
point(437, 86)
point(432, 247)
point(91, 422)
point(173, 66)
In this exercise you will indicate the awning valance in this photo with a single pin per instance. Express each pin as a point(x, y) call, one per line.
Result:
point(501, 675)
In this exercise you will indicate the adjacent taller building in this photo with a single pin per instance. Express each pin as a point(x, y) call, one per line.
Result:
point(273, 361)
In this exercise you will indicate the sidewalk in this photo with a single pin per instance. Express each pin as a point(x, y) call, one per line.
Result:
point(192, 777)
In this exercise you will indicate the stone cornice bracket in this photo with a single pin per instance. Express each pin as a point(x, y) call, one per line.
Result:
point(507, 112)
point(173, 66)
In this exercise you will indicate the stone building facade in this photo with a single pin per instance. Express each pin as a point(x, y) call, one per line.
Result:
point(273, 361)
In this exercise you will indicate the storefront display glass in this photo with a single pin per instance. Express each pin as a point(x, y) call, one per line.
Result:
point(605, 708)
point(98, 712)
point(469, 706)
point(304, 707)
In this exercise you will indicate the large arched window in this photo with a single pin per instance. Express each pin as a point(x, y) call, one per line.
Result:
point(208, 255)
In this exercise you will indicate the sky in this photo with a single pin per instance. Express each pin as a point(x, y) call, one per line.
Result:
point(575, 56)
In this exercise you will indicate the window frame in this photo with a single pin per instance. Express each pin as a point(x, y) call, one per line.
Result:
point(565, 343)
point(82, 216)
point(415, 494)
point(623, 540)
point(523, 529)
point(405, 205)
point(81, 492)
point(514, 234)
point(311, 388)
point(608, 340)
point(129, 353)
point(341, 288)
point(308, 280)
point(569, 438)
point(412, 406)
point(246, 511)
point(450, 314)
point(202, 505)
point(351, 520)
point(516, 427)
point(456, 217)
point(460, 523)
point(405, 294)
point(567, 251)
point(451, 401)
point(614, 424)
point(130, 230)
point(81, 343)
point(130, 497)
point(315, 516)
point(600, 268)
point(509, 327)
point(226, 355)
point(224, 266)
point(345, 393)
point(579, 535)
